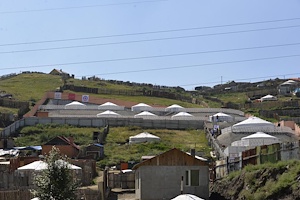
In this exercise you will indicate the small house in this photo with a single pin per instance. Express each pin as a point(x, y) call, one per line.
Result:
point(65, 145)
point(170, 174)
point(287, 87)
point(96, 150)
point(59, 72)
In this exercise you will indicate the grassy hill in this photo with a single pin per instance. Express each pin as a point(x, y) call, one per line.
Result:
point(116, 149)
point(260, 182)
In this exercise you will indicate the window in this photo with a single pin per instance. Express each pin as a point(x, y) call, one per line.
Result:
point(192, 178)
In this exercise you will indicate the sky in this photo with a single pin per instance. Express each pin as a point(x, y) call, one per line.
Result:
point(162, 42)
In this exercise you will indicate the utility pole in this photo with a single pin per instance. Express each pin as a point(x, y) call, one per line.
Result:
point(221, 80)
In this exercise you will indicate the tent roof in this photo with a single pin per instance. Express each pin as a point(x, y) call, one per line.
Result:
point(75, 103)
point(185, 114)
point(108, 112)
point(268, 96)
point(187, 197)
point(36, 165)
point(41, 165)
point(259, 135)
point(289, 82)
point(145, 113)
point(221, 114)
point(36, 148)
point(144, 135)
point(253, 121)
point(141, 104)
point(108, 104)
point(175, 106)
point(198, 157)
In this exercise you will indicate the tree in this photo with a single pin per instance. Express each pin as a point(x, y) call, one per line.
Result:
point(56, 182)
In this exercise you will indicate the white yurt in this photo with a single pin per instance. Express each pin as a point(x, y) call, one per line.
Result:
point(41, 165)
point(145, 114)
point(143, 137)
point(108, 113)
point(182, 115)
point(175, 108)
point(289, 82)
point(110, 106)
point(141, 107)
point(37, 166)
point(220, 117)
point(187, 197)
point(268, 98)
point(253, 124)
point(257, 139)
point(75, 105)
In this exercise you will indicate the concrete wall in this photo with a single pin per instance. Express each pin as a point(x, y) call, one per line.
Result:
point(164, 182)
point(101, 122)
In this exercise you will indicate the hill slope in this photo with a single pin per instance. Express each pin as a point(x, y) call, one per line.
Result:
point(260, 182)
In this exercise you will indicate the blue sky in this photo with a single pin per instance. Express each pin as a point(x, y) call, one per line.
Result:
point(168, 42)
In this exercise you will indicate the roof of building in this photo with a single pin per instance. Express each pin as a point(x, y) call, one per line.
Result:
point(173, 157)
point(61, 140)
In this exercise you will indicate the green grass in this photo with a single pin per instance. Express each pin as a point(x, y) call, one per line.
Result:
point(236, 97)
point(156, 101)
point(115, 149)
point(8, 110)
point(30, 87)
point(270, 180)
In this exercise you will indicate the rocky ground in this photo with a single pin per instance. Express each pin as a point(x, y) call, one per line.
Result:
point(281, 182)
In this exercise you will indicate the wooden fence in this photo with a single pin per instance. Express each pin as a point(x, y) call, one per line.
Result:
point(16, 195)
point(258, 155)
point(86, 194)
point(153, 93)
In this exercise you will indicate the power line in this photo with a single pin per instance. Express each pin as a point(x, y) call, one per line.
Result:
point(195, 53)
point(198, 65)
point(146, 40)
point(155, 32)
point(168, 68)
point(78, 7)
point(241, 79)
point(152, 69)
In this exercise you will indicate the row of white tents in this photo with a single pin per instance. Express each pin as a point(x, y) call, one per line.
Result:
point(145, 114)
point(106, 106)
point(136, 108)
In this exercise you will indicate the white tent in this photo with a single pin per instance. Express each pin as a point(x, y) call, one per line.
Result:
point(187, 197)
point(253, 122)
point(145, 114)
point(220, 117)
point(257, 139)
point(108, 113)
point(268, 98)
point(75, 105)
point(41, 165)
point(110, 106)
point(36, 166)
point(175, 108)
point(141, 107)
point(289, 82)
point(143, 137)
point(182, 115)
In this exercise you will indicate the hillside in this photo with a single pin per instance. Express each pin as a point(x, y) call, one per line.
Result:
point(116, 147)
point(260, 182)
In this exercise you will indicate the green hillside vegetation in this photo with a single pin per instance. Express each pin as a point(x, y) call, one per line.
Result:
point(115, 148)
point(236, 97)
point(8, 110)
point(259, 182)
point(30, 87)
